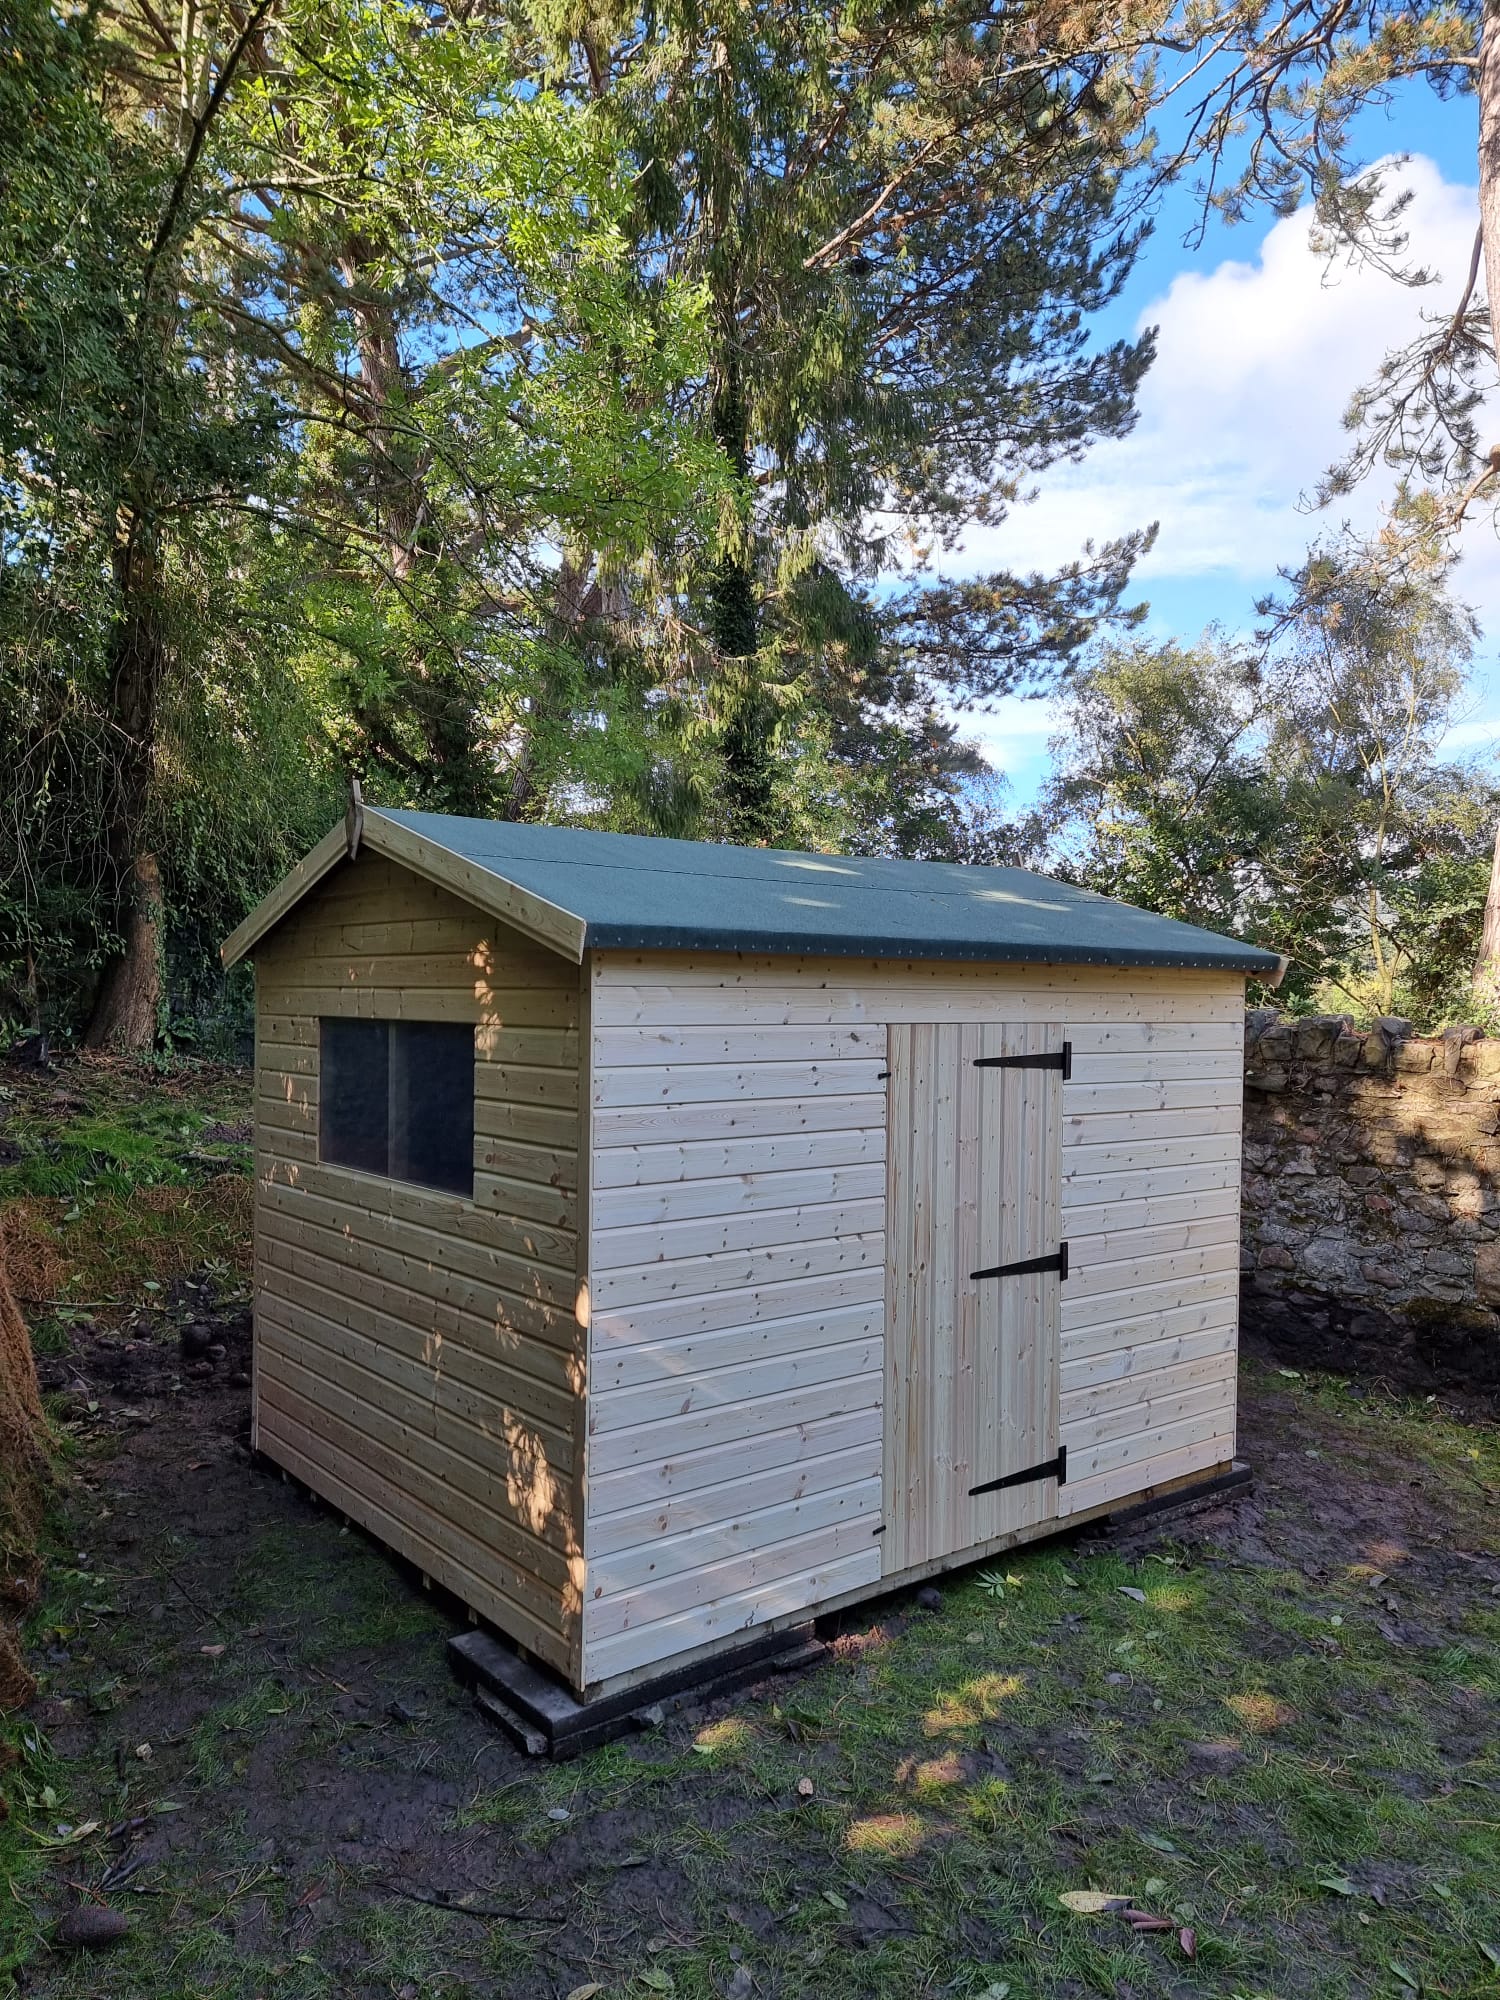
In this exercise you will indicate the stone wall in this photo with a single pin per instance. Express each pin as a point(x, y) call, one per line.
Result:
point(1372, 1198)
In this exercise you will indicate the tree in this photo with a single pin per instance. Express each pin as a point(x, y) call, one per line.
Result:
point(1293, 790)
point(360, 324)
point(903, 220)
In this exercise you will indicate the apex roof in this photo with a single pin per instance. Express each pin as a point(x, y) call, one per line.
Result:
point(576, 890)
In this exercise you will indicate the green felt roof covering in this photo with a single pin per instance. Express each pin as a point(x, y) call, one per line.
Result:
point(683, 895)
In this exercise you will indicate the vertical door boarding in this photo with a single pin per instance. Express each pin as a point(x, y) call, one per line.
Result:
point(975, 1262)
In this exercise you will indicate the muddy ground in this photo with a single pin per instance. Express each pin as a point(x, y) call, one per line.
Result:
point(248, 1704)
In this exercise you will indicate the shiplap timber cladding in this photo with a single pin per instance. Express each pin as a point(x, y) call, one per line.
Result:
point(741, 1188)
point(419, 1357)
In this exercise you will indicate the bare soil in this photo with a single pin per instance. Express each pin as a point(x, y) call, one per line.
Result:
point(253, 1703)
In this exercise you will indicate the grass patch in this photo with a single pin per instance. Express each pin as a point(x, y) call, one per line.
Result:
point(115, 1179)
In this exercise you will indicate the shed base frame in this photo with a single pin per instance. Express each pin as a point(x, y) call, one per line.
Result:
point(543, 1716)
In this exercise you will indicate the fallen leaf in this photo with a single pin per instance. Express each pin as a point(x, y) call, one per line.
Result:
point(1091, 1902)
point(1156, 1886)
point(144, 1752)
point(1408, 1979)
point(1187, 1937)
point(804, 1788)
point(832, 1896)
point(310, 1896)
point(1142, 1920)
point(658, 1981)
point(558, 1813)
point(586, 1992)
point(997, 1990)
point(1336, 1885)
point(213, 1652)
point(1159, 1841)
point(1129, 1590)
point(1492, 1954)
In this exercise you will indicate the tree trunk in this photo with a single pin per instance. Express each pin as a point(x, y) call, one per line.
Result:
point(125, 1012)
point(749, 760)
point(1486, 984)
point(124, 1015)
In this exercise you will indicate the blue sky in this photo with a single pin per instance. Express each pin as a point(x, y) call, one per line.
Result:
point(1261, 348)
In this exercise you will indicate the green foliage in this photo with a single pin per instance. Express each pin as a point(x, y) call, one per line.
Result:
point(1293, 791)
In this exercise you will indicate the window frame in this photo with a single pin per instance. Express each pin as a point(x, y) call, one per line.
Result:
point(397, 1080)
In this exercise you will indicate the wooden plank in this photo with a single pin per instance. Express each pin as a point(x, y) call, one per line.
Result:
point(783, 1597)
point(528, 1201)
point(536, 1258)
point(406, 1486)
point(1138, 1095)
point(1139, 1451)
point(713, 1586)
point(740, 1424)
point(854, 1424)
point(615, 1366)
point(649, 1125)
point(1135, 1192)
point(796, 1290)
point(1127, 1478)
point(421, 1536)
point(1112, 1326)
point(642, 1526)
point(554, 1125)
point(725, 1083)
point(633, 1209)
point(708, 1161)
point(1102, 1410)
point(1132, 1274)
point(1146, 1302)
point(512, 1467)
point(675, 991)
point(1092, 1069)
point(1109, 1364)
point(733, 1044)
point(1138, 1127)
point(480, 967)
point(1134, 1241)
point(721, 1390)
point(745, 1536)
point(525, 1083)
point(1089, 1162)
point(513, 1315)
point(535, 1381)
point(517, 1160)
point(619, 1251)
point(699, 1278)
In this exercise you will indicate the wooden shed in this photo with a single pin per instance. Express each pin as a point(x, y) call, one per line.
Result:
point(659, 1242)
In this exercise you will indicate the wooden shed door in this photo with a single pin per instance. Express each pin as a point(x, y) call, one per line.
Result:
point(971, 1446)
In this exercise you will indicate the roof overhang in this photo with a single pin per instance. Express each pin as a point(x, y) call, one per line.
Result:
point(545, 923)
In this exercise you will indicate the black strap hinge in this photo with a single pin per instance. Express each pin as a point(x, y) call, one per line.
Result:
point(1058, 1262)
point(1059, 1059)
point(1050, 1468)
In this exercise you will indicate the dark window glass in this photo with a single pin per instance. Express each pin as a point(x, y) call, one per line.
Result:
point(397, 1098)
point(432, 1105)
point(354, 1094)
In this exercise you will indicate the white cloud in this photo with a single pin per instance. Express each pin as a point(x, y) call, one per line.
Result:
point(1011, 732)
point(1241, 413)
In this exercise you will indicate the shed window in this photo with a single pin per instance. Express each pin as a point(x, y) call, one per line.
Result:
point(397, 1098)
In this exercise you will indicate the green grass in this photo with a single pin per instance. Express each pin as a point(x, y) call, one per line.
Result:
point(1285, 1744)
